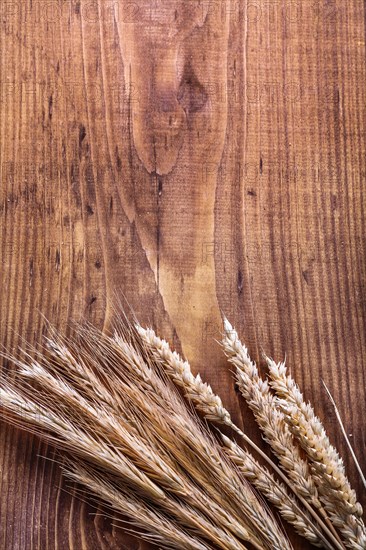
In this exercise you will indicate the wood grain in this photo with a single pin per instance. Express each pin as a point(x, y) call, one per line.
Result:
point(197, 158)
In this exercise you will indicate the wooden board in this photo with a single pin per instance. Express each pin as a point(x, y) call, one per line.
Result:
point(198, 158)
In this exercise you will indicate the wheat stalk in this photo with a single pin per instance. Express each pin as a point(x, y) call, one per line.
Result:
point(111, 404)
point(226, 482)
point(338, 497)
point(178, 420)
point(339, 419)
point(78, 422)
point(271, 421)
point(89, 433)
point(210, 404)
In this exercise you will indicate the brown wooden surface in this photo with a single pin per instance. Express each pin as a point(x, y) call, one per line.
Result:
point(197, 157)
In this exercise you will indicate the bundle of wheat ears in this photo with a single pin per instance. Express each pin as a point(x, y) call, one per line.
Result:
point(144, 437)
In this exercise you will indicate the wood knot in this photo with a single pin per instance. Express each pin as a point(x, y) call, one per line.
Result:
point(191, 93)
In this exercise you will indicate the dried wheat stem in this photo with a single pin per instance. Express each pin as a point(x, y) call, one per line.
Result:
point(144, 458)
point(336, 493)
point(206, 401)
point(339, 419)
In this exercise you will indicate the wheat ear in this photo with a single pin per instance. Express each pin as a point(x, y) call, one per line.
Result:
point(221, 475)
point(210, 404)
point(338, 497)
point(144, 396)
point(152, 526)
point(128, 371)
point(181, 433)
point(272, 422)
point(273, 490)
point(90, 432)
point(270, 419)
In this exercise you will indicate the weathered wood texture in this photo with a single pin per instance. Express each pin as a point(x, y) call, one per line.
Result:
point(197, 157)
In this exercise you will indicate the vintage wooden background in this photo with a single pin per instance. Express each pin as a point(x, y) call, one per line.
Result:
point(198, 157)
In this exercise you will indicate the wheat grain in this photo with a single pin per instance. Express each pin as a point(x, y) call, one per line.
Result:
point(195, 389)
